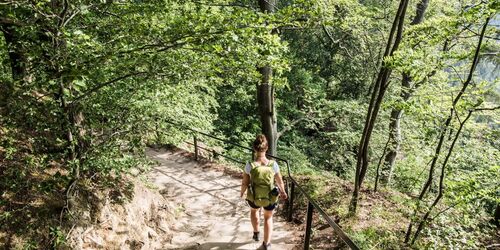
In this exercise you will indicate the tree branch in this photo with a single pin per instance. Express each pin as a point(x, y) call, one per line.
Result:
point(442, 211)
point(224, 5)
point(102, 85)
point(329, 35)
point(289, 127)
point(484, 109)
point(8, 21)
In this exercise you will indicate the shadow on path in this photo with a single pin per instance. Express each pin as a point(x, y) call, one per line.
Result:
point(209, 212)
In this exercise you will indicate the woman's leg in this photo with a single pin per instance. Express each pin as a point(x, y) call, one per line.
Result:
point(268, 225)
point(254, 217)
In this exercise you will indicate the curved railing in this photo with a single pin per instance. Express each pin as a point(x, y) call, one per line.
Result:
point(311, 206)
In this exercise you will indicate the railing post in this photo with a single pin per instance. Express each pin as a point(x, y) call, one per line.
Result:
point(195, 148)
point(307, 238)
point(290, 200)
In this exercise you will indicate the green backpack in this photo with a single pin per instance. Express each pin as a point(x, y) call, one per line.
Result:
point(261, 184)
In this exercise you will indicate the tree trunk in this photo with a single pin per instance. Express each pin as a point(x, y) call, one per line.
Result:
point(69, 125)
point(267, 5)
point(497, 216)
point(376, 99)
point(265, 99)
point(17, 63)
point(420, 13)
point(377, 172)
point(265, 94)
point(394, 134)
point(396, 113)
point(442, 135)
point(425, 219)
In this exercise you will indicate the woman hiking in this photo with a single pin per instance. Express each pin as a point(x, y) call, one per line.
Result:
point(258, 181)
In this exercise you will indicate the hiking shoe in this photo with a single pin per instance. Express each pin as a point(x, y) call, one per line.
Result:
point(266, 246)
point(256, 236)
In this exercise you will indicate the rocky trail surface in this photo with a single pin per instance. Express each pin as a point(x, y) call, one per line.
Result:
point(208, 211)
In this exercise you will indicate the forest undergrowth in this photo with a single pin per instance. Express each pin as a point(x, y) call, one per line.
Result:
point(381, 220)
point(37, 213)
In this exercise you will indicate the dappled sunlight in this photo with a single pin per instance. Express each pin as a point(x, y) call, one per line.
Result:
point(209, 212)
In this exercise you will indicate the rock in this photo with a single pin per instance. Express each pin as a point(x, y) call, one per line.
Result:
point(140, 223)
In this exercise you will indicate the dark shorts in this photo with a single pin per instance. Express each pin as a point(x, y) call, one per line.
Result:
point(269, 208)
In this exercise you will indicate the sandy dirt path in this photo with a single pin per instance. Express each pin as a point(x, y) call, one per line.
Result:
point(209, 213)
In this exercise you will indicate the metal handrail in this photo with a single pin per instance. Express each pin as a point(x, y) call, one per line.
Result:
point(311, 203)
point(230, 143)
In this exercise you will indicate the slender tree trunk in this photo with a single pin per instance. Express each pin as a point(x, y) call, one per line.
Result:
point(396, 113)
point(442, 136)
point(497, 216)
point(377, 96)
point(72, 119)
point(265, 94)
point(424, 220)
point(69, 125)
point(420, 13)
point(394, 134)
point(267, 115)
point(378, 165)
point(17, 63)
point(430, 176)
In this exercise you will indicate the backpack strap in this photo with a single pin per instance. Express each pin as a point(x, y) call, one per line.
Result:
point(270, 163)
point(250, 184)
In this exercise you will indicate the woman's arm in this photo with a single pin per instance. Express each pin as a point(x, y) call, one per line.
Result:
point(244, 184)
point(279, 181)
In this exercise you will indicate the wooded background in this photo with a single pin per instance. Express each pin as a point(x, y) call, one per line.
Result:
point(396, 97)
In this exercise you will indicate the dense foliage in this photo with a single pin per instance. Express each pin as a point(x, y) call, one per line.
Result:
point(86, 85)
